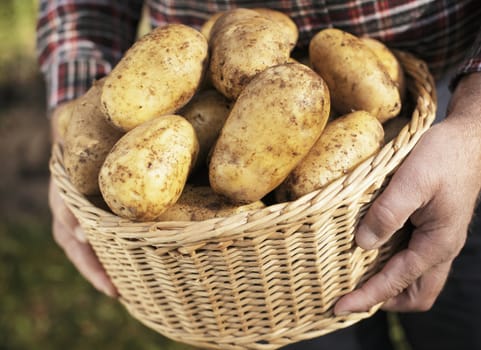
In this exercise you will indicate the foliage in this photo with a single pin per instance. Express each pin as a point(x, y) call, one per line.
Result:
point(46, 304)
point(17, 40)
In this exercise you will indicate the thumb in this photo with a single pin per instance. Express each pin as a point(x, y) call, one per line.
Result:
point(390, 210)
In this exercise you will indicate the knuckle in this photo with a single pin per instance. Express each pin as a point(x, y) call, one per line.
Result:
point(394, 286)
point(381, 208)
point(425, 305)
point(420, 303)
point(452, 245)
point(447, 247)
point(414, 265)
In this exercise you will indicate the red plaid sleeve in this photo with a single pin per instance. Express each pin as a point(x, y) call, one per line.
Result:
point(79, 41)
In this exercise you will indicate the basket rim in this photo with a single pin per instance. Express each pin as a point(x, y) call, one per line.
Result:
point(372, 171)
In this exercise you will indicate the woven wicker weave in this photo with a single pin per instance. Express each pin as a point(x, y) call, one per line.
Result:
point(256, 280)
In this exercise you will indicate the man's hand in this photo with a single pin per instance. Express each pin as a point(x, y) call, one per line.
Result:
point(70, 237)
point(436, 188)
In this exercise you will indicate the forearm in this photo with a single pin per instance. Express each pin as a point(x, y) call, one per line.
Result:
point(80, 41)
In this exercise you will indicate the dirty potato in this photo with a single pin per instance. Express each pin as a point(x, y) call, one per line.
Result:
point(88, 140)
point(288, 26)
point(62, 116)
point(147, 168)
point(198, 203)
point(225, 19)
point(206, 28)
point(389, 61)
point(243, 49)
point(344, 143)
point(207, 112)
point(157, 75)
point(356, 78)
point(275, 121)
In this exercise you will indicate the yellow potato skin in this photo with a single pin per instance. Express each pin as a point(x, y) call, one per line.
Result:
point(288, 26)
point(148, 167)
point(389, 61)
point(275, 121)
point(198, 203)
point(225, 19)
point(63, 114)
point(243, 49)
point(207, 112)
point(158, 75)
point(356, 79)
point(88, 140)
point(344, 143)
point(206, 28)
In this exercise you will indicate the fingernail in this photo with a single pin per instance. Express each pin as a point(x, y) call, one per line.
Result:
point(365, 238)
point(80, 234)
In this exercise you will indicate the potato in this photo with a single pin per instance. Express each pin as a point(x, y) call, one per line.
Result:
point(207, 112)
point(288, 26)
point(62, 115)
point(147, 168)
point(275, 121)
point(158, 75)
point(226, 19)
point(389, 61)
point(88, 140)
point(206, 28)
point(199, 203)
point(345, 142)
point(356, 79)
point(243, 49)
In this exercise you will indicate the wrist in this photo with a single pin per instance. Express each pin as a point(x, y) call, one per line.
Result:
point(464, 109)
point(467, 96)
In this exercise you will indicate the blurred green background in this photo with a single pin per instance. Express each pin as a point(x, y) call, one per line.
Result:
point(44, 302)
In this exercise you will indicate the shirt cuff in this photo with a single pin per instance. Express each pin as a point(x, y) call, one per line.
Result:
point(66, 81)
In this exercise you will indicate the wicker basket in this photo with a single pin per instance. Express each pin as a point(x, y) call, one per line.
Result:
point(256, 280)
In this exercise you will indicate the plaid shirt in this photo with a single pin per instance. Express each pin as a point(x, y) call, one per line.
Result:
point(81, 40)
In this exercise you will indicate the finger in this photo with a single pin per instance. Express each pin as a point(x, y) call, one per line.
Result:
point(63, 214)
point(389, 211)
point(399, 272)
point(60, 210)
point(421, 295)
point(426, 250)
point(84, 259)
point(80, 234)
